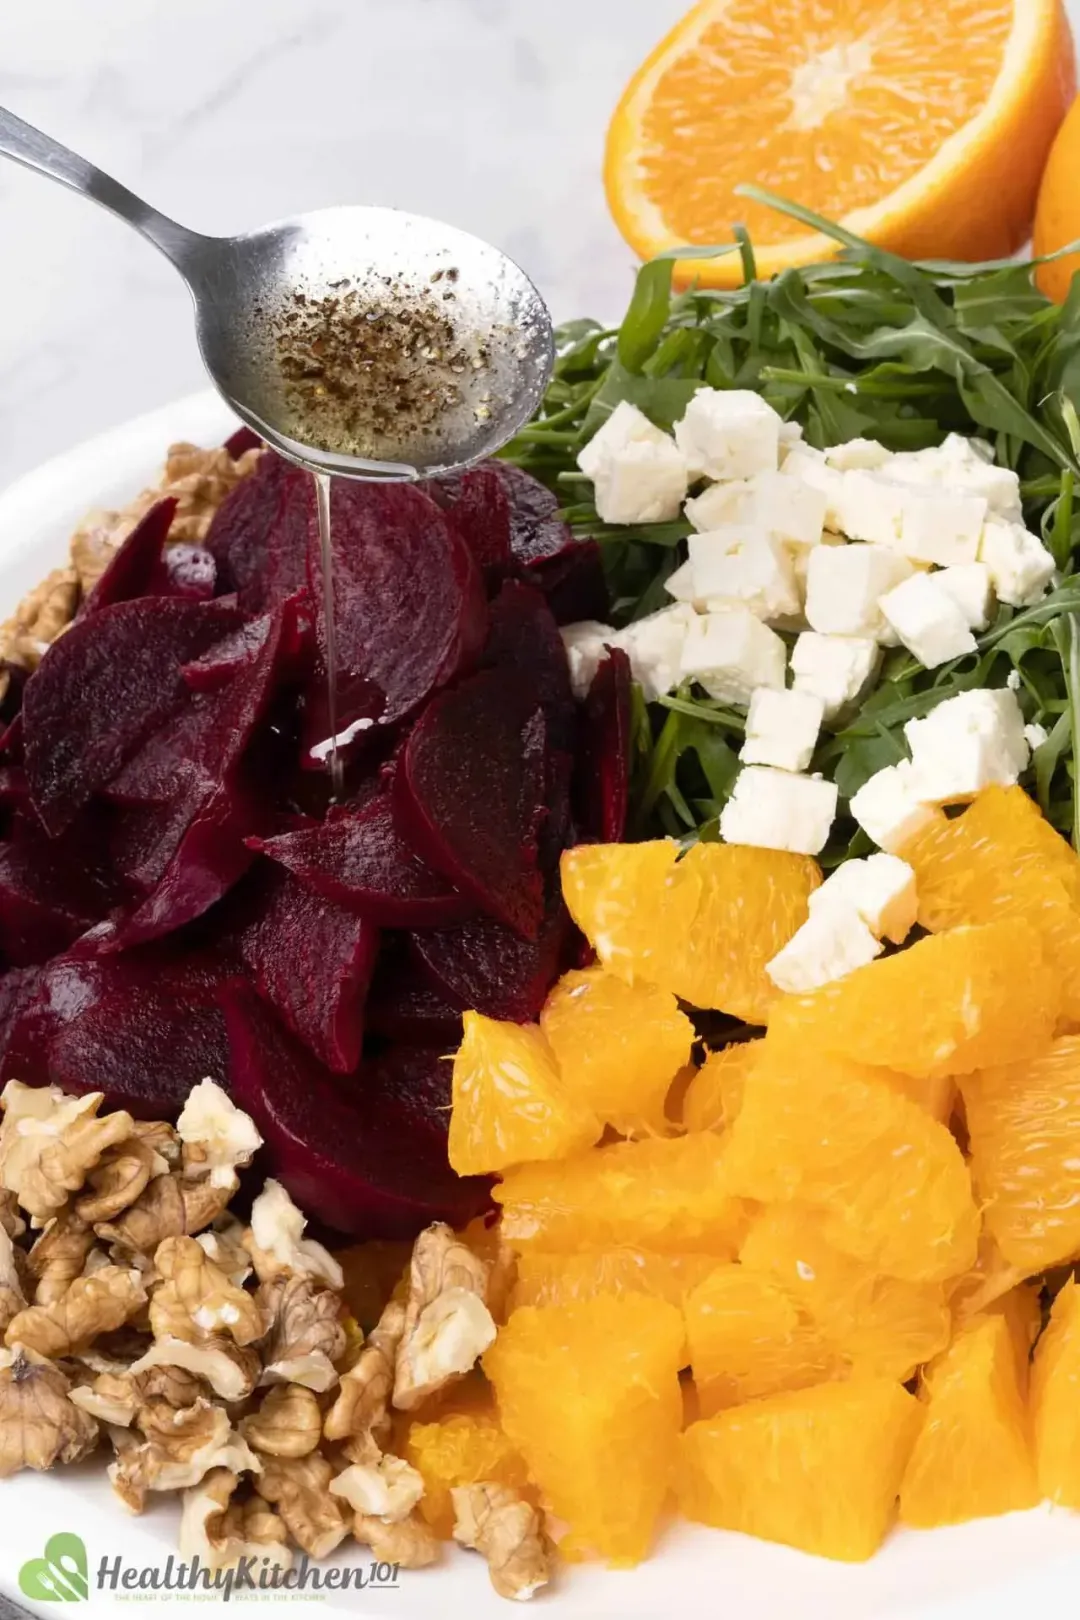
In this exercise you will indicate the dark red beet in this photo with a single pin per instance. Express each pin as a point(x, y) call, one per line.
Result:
point(556, 828)
point(360, 860)
point(524, 637)
point(404, 1005)
point(536, 530)
point(244, 439)
point(312, 960)
point(469, 794)
point(568, 571)
point(18, 988)
point(349, 1154)
point(258, 535)
point(103, 689)
point(48, 895)
point(487, 967)
point(478, 507)
point(137, 564)
point(573, 582)
point(415, 1082)
point(602, 777)
point(14, 788)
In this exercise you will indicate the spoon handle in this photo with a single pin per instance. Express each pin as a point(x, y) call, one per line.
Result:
point(29, 146)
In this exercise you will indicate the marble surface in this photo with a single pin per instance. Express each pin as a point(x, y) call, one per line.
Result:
point(488, 113)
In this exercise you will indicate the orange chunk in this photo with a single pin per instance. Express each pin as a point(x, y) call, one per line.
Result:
point(633, 902)
point(557, 1279)
point(814, 1468)
point(1024, 1128)
point(618, 1046)
point(509, 1101)
point(876, 1324)
point(973, 1456)
point(1055, 1408)
point(666, 1194)
point(714, 1096)
point(460, 1449)
point(589, 1396)
point(1021, 1308)
point(748, 1337)
point(890, 1182)
point(976, 1289)
point(946, 1005)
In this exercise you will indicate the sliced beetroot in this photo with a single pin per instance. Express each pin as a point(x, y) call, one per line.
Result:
point(243, 440)
point(360, 860)
point(479, 509)
point(556, 828)
point(602, 776)
point(103, 689)
point(48, 896)
point(487, 967)
point(258, 535)
point(536, 530)
point(404, 1004)
point(524, 637)
point(415, 1082)
point(137, 563)
point(469, 794)
point(569, 572)
point(312, 960)
point(18, 990)
point(573, 582)
point(349, 1151)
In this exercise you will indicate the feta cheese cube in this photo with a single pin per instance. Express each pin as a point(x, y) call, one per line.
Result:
point(800, 558)
point(880, 889)
point(719, 505)
point(680, 584)
point(830, 944)
point(1020, 565)
point(843, 585)
point(729, 433)
point(870, 507)
point(810, 467)
point(654, 646)
point(776, 810)
point(940, 526)
point(790, 435)
point(787, 508)
point(927, 620)
point(638, 473)
point(966, 467)
point(586, 646)
point(889, 808)
point(836, 669)
point(782, 729)
point(970, 588)
point(967, 743)
point(1035, 735)
point(731, 653)
point(740, 564)
point(858, 454)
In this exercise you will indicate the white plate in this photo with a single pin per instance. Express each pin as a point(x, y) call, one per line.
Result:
point(993, 1569)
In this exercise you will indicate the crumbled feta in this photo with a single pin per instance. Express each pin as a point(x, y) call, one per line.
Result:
point(782, 729)
point(927, 620)
point(964, 466)
point(740, 564)
point(967, 743)
point(843, 585)
point(638, 473)
point(1020, 565)
point(787, 508)
point(880, 889)
point(889, 808)
point(654, 646)
point(729, 433)
point(800, 559)
point(830, 944)
point(586, 646)
point(970, 587)
point(731, 653)
point(720, 504)
point(940, 526)
point(870, 507)
point(1035, 735)
point(777, 810)
point(810, 467)
point(680, 584)
point(836, 669)
point(858, 454)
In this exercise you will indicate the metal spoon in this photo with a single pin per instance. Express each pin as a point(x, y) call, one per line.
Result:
point(441, 346)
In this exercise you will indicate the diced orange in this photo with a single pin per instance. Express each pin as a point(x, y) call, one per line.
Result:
point(991, 1276)
point(714, 1095)
point(667, 1194)
point(815, 1468)
point(509, 1101)
point(1022, 1309)
point(1001, 858)
point(973, 1455)
point(1024, 1128)
point(589, 1396)
point(618, 1046)
point(890, 1182)
point(557, 1279)
point(633, 902)
point(948, 1004)
point(460, 1449)
point(748, 1337)
point(876, 1324)
point(1055, 1401)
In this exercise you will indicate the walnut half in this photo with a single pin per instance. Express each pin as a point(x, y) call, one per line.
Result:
point(39, 1426)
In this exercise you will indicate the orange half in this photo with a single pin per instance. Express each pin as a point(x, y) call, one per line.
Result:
point(923, 128)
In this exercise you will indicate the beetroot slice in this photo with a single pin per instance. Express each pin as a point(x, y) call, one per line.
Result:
point(312, 961)
point(569, 572)
point(524, 637)
point(349, 1153)
point(360, 860)
point(469, 794)
point(479, 509)
point(404, 1005)
point(105, 687)
point(257, 536)
point(243, 440)
point(536, 530)
point(573, 582)
point(416, 1082)
point(48, 896)
point(137, 563)
point(486, 967)
point(602, 776)
point(18, 990)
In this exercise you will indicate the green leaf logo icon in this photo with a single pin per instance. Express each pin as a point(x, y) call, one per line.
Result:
point(60, 1576)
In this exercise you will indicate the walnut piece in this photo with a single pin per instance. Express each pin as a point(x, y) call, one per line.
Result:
point(92, 1305)
point(306, 1338)
point(220, 1531)
point(195, 1299)
point(39, 1426)
point(170, 1206)
point(447, 1322)
point(299, 1488)
point(218, 1137)
point(508, 1531)
point(59, 1255)
point(40, 617)
point(10, 1219)
point(287, 1424)
point(409, 1542)
point(49, 1143)
point(182, 1446)
point(118, 1178)
point(12, 1299)
point(360, 1414)
point(231, 1373)
point(277, 1243)
point(388, 1489)
point(112, 1398)
point(225, 1246)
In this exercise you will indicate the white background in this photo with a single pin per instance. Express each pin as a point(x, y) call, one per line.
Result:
point(228, 113)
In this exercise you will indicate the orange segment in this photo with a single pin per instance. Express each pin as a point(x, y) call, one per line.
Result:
point(589, 1395)
point(545, 1278)
point(973, 1456)
point(509, 1101)
point(714, 1096)
point(460, 1449)
point(984, 1283)
point(1055, 1410)
point(814, 1468)
point(748, 1337)
point(930, 140)
point(618, 1046)
point(1024, 1128)
point(1057, 216)
point(633, 903)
